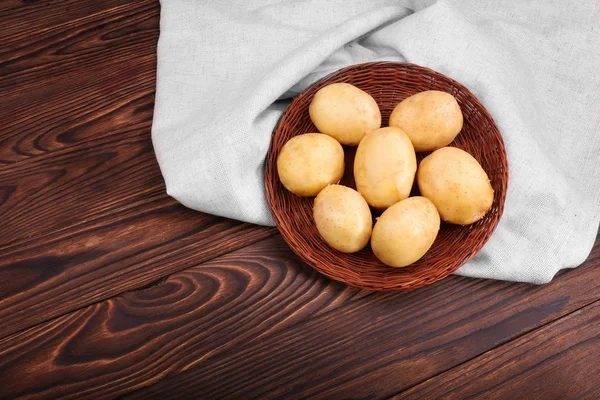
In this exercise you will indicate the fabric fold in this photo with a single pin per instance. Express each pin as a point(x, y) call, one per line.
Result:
point(226, 72)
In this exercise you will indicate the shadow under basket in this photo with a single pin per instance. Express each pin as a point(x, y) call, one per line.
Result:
point(389, 83)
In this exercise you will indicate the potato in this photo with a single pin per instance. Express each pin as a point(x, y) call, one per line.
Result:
point(343, 218)
point(455, 182)
point(405, 231)
point(344, 112)
point(384, 167)
point(431, 119)
point(309, 162)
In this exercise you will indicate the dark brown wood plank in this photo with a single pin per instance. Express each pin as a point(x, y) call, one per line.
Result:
point(20, 19)
point(62, 190)
point(559, 361)
point(103, 83)
point(76, 136)
point(82, 204)
point(77, 109)
point(125, 31)
point(140, 337)
point(257, 324)
point(47, 276)
point(382, 344)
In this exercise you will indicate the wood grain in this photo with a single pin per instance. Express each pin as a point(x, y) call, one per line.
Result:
point(81, 196)
point(82, 202)
point(127, 31)
point(197, 333)
point(23, 18)
point(76, 186)
point(558, 361)
point(94, 260)
point(140, 337)
point(110, 288)
point(381, 344)
point(75, 110)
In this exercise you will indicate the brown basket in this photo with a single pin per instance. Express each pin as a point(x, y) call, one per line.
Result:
point(388, 83)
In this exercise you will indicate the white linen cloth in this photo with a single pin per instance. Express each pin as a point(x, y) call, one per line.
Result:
point(227, 68)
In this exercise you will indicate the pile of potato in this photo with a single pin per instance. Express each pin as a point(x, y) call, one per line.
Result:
point(453, 185)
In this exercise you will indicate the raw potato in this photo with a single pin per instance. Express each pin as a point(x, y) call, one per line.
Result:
point(455, 182)
point(431, 119)
point(344, 112)
point(307, 163)
point(405, 231)
point(384, 167)
point(343, 218)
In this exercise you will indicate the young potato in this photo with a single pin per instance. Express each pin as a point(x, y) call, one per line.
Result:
point(405, 232)
point(343, 218)
point(431, 119)
point(385, 166)
point(455, 182)
point(344, 112)
point(307, 163)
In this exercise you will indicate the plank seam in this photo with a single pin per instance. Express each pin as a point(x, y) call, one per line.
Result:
point(505, 343)
point(156, 282)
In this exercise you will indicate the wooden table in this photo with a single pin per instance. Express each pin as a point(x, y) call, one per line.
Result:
point(110, 288)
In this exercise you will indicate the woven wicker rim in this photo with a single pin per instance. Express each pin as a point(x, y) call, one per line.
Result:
point(388, 83)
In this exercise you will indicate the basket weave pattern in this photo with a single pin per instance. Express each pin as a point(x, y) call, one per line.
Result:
point(388, 83)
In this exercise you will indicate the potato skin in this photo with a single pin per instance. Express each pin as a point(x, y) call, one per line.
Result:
point(431, 119)
point(344, 112)
point(343, 218)
point(405, 232)
point(385, 167)
point(458, 186)
point(309, 162)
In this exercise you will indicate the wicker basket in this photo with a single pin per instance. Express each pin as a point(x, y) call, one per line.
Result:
point(388, 83)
